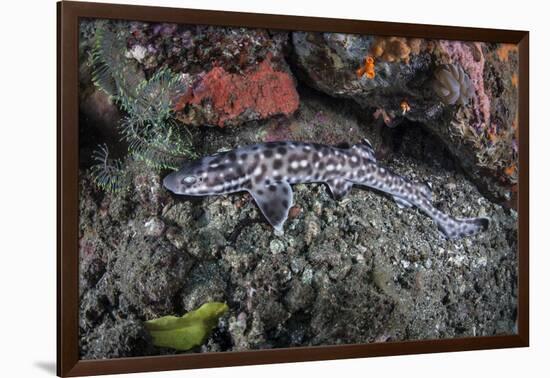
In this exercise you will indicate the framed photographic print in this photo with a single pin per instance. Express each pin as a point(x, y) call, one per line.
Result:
point(242, 188)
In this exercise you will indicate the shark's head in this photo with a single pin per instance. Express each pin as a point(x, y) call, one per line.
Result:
point(188, 180)
point(209, 175)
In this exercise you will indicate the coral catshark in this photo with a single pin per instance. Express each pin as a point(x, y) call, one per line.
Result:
point(267, 170)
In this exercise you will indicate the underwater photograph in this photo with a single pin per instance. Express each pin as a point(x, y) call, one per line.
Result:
point(244, 189)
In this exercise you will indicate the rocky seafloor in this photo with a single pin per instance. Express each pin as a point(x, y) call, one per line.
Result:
point(358, 270)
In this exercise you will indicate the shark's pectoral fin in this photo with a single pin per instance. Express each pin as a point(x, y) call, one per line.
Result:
point(401, 203)
point(339, 188)
point(274, 200)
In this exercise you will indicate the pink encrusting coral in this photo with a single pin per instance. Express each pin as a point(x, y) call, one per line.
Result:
point(234, 98)
point(470, 57)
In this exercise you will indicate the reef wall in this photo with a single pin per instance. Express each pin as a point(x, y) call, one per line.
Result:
point(359, 270)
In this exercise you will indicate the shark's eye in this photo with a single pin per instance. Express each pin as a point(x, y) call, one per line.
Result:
point(189, 180)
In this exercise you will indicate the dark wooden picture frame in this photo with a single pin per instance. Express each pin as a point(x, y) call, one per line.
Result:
point(68, 362)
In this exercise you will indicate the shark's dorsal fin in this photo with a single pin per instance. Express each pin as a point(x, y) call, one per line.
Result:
point(366, 150)
point(367, 142)
point(274, 200)
point(425, 189)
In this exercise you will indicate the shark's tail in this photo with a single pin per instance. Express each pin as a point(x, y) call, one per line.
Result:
point(454, 228)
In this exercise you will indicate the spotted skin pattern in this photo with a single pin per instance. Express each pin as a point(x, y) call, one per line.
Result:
point(268, 170)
